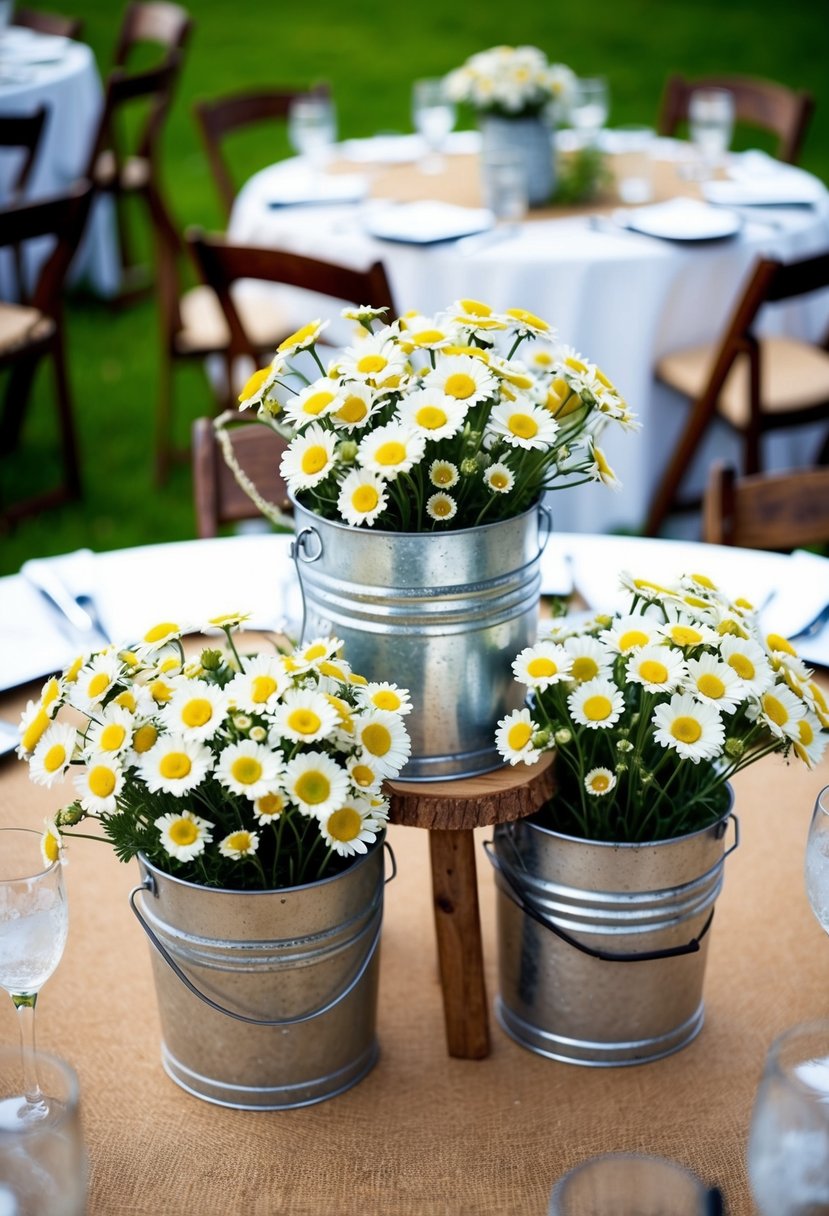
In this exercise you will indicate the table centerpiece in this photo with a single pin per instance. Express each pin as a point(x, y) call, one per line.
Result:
point(418, 461)
point(518, 96)
point(651, 711)
point(249, 789)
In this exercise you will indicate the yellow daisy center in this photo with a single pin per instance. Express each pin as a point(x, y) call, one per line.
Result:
point(183, 832)
point(160, 631)
point(538, 668)
point(711, 686)
point(299, 337)
point(101, 781)
point(262, 687)
point(807, 735)
point(240, 842)
point(98, 684)
point(313, 787)
point(51, 847)
point(247, 770)
point(475, 308)
point(353, 409)
point(684, 635)
point(519, 735)
point(365, 499)
point(775, 709)
point(575, 365)
point(686, 730)
point(776, 642)
point(55, 758)
point(600, 783)
point(597, 708)
point(653, 671)
point(632, 638)
point(160, 692)
point(426, 336)
point(376, 739)
point(126, 700)
point(391, 453)
point(175, 765)
point(345, 824)
point(331, 669)
point(371, 364)
point(144, 738)
point(50, 694)
point(442, 506)
point(317, 402)
point(72, 671)
point(520, 314)
point(314, 458)
point(459, 385)
point(270, 804)
point(33, 732)
point(499, 480)
point(523, 425)
point(743, 666)
point(430, 417)
point(112, 736)
point(584, 668)
point(362, 774)
point(314, 652)
point(386, 699)
point(304, 721)
point(254, 383)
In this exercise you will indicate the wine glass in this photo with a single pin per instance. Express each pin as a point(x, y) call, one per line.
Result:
point(788, 1145)
point(631, 1184)
point(711, 125)
point(590, 107)
point(433, 114)
point(817, 860)
point(312, 128)
point(33, 926)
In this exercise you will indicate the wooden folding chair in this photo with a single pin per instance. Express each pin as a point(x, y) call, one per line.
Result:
point(218, 497)
point(21, 131)
point(166, 26)
point(762, 104)
point(755, 385)
point(54, 24)
point(33, 332)
point(781, 511)
point(223, 116)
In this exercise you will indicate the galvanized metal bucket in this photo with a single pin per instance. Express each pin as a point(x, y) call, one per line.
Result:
point(602, 947)
point(440, 613)
point(267, 998)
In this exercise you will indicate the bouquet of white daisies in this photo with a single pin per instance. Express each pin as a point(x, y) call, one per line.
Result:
point(251, 772)
point(429, 423)
point(513, 81)
point(653, 710)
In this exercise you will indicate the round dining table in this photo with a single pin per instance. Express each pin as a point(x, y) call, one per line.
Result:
point(622, 298)
point(60, 74)
point(423, 1133)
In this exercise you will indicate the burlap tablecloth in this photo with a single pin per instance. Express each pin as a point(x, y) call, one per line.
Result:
point(425, 1135)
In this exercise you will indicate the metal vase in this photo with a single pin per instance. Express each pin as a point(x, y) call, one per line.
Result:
point(533, 138)
point(267, 998)
point(602, 947)
point(440, 613)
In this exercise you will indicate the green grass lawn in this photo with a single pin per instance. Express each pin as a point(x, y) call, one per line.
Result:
point(370, 54)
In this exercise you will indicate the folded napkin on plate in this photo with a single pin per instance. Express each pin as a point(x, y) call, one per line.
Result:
point(757, 179)
point(300, 189)
point(427, 221)
point(680, 219)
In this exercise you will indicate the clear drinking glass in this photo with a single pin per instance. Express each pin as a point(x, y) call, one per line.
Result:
point(631, 1184)
point(711, 125)
point(43, 1165)
point(504, 184)
point(33, 926)
point(312, 128)
point(433, 115)
point(590, 107)
point(817, 860)
point(788, 1145)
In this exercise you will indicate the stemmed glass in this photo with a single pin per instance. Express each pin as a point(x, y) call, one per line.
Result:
point(788, 1146)
point(711, 125)
point(590, 107)
point(817, 860)
point(33, 926)
point(312, 128)
point(433, 114)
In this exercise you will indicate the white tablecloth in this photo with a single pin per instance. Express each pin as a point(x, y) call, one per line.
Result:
point(62, 75)
point(621, 298)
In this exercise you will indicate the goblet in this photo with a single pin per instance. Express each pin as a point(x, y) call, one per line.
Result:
point(817, 860)
point(590, 107)
point(312, 128)
point(788, 1145)
point(711, 125)
point(433, 115)
point(33, 926)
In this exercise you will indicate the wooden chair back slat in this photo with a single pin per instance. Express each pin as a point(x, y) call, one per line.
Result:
point(167, 25)
point(54, 24)
point(778, 511)
point(218, 498)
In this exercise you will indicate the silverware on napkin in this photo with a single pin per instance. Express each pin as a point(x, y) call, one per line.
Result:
point(42, 575)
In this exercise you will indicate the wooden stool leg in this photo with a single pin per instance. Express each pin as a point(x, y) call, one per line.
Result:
point(460, 952)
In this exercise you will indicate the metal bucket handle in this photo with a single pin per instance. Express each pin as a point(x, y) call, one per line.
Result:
point(149, 885)
point(300, 553)
point(644, 956)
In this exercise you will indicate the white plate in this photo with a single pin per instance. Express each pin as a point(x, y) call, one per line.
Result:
point(684, 220)
point(427, 222)
point(300, 189)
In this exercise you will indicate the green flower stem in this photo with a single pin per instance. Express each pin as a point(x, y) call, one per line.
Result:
point(313, 352)
point(226, 630)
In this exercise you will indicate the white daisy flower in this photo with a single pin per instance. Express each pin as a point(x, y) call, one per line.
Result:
point(528, 324)
point(95, 680)
point(444, 474)
point(596, 704)
point(714, 681)
point(184, 835)
point(599, 781)
point(376, 360)
point(258, 386)
point(589, 658)
point(196, 711)
point(349, 829)
point(432, 413)
point(657, 668)
point(312, 403)
point(425, 333)
point(144, 736)
point(364, 774)
point(441, 507)
point(258, 688)
point(159, 635)
point(499, 478)
point(302, 339)
point(174, 764)
point(815, 699)
point(51, 844)
point(810, 741)
point(240, 844)
point(462, 378)
point(363, 313)
point(51, 696)
point(390, 450)
point(599, 469)
point(111, 734)
point(385, 696)
point(226, 620)
point(629, 633)
point(682, 631)
point(309, 458)
point(98, 785)
point(154, 695)
point(781, 711)
point(305, 715)
point(514, 736)
point(268, 807)
point(362, 497)
point(513, 373)
point(384, 739)
point(314, 654)
point(53, 754)
point(474, 315)
point(522, 424)
point(355, 405)
point(694, 730)
point(34, 722)
point(249, 768)
point(316, 783)
point(542, 665)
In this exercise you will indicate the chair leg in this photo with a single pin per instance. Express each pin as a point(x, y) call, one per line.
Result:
point(18, 391)
point(164, 420)
point(66, 421)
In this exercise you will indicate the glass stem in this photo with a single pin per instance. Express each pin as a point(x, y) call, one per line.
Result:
point(25, 1003)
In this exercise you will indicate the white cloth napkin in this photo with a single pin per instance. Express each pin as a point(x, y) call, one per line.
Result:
point(297, 188)
point(757, 179)
point(797, 601)
point(427, 221)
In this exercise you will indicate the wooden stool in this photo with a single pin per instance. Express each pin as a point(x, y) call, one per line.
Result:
point(451, 810)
